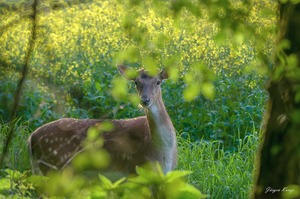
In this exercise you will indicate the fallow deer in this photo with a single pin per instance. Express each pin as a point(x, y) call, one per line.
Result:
point(131, 142)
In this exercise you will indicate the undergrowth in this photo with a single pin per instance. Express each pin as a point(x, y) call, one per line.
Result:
point(71, 75)
point(220, 173)
point(216, 172)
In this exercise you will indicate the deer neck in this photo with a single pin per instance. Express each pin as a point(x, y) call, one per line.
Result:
point(162, 133)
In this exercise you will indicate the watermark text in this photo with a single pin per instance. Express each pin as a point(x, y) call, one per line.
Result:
point(276, 190)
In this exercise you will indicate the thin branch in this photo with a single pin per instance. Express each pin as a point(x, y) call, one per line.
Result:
point(27, 13)
point(18, 92)
point(33, 15)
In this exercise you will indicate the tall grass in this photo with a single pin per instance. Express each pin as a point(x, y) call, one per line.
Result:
point(216, 172)
point(71, 75)
point(17, 158)
point(72, 70)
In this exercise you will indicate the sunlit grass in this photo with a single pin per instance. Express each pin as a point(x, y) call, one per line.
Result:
point(216, 172)
point(73, 69)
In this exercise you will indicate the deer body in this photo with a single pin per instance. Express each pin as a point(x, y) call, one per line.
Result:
point(131, 142)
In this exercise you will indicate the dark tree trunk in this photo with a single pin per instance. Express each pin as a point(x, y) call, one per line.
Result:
point(279, 160)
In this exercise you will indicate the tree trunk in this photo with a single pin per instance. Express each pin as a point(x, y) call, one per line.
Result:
point(278, 166)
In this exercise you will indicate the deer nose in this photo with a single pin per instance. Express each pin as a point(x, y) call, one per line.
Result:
point(145, 100)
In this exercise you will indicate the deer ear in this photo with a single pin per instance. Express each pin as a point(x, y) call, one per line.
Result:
point(163, 74)
point(127, 72)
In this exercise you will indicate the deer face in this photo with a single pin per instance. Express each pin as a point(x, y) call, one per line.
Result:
point(148, 87)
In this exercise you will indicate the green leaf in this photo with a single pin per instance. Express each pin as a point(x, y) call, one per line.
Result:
point(149, 174)
point(151, 65)
point(132, 54)
point(208, 90)
point(190, 192)
point(292, 61)
point(14, 174)
point(179, 189)
point(120, 88)
point(98, 86)
point(64, 183)
point(37, 181)
point(174, 175)
point(5, 184)
point(134, 99)
point(91, 158)
point(92, 133)
point(118, 182)
point(191, 92)
point(106, 183)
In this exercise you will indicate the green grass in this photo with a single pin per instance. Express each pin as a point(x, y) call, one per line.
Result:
point(71, 75)
point(17, 158)
point(216, 172)
point(73, 67)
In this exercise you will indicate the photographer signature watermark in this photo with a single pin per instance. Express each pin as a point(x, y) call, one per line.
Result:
point(273, 190)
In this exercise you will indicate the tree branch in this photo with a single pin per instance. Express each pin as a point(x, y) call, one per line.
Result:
point(18, 92)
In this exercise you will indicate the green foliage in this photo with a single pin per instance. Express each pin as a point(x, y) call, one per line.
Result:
point(292, 191)
point(216, 172)
point(72, 75)
point(170, 185)
point(18, 157)
point(15, 185)
point(220, 173)
point(215, 95)
point(148, 184)
point(93, 156)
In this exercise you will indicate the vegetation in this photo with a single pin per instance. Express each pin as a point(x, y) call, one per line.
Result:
point(215, 96)
point(278, 161)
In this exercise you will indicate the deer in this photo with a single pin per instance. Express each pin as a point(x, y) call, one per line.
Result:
point(130, 143)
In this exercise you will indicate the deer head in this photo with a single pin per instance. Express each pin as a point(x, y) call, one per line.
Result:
point(148, 87)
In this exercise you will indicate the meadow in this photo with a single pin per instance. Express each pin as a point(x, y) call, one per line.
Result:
point(215, 97)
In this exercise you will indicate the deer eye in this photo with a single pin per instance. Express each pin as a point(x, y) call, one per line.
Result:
point(158, 82)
